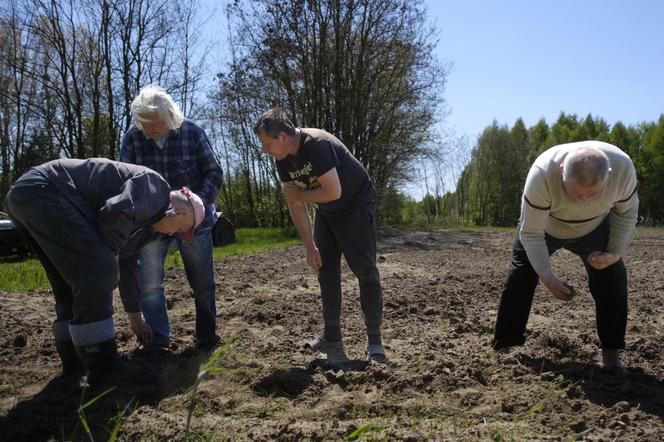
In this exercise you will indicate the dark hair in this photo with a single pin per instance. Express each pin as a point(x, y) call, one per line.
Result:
point(273, 122)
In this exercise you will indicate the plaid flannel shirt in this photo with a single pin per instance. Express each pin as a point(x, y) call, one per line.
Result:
point(185, 160)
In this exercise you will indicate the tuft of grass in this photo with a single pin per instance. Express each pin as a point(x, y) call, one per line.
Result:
point(488, 328)
point(442, 325)
point(84, 421)
point(534, 409)
point(365, 430)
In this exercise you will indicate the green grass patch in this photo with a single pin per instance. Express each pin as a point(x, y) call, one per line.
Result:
point(254, 240)
point(247, 241)
point(29, 275)
point(456, 227)
point(22, 276)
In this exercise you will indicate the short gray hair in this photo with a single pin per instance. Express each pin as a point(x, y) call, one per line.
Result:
point(273, 122)
point(588, 166)
point(155, 99)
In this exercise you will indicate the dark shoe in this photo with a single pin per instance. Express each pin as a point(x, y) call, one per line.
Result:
point(158, 343)
point(72, 366)
point(156, 346)
point(333, 350)
point(209, 344)
point(105, 367)
point(376, 355)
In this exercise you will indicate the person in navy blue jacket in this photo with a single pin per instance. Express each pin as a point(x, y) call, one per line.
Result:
point(86, 221)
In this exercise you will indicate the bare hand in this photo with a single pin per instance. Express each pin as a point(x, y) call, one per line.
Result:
point(559, 289)
point(313, 258)
point(292, 193)
point(602, 260)
point(140, 328)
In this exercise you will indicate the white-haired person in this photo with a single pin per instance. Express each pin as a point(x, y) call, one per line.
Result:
point(86, 221)
point(581, 197)
point(165, 141)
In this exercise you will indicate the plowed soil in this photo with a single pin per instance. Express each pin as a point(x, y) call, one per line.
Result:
point(441, 291)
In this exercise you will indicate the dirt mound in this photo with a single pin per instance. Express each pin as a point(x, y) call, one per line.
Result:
point(441, 291)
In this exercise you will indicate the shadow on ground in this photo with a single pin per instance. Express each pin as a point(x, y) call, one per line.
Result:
point(608, 388)
point(54, 410)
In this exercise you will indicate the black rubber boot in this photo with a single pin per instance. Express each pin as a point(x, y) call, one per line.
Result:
point(105, 367)
point(71, 363)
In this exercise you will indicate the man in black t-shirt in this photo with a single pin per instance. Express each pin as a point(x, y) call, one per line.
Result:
point(316, 168)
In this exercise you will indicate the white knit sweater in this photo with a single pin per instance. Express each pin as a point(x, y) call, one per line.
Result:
point(546, 207)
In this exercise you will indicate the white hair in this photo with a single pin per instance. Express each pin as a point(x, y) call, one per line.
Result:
point(588, 166)
point(154, 99)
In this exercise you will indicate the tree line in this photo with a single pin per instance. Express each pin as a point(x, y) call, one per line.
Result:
point(361, 69)
point(489, 189)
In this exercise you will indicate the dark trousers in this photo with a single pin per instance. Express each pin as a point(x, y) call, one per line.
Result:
point(352, 233)
point(608, 288)
point(82, 269)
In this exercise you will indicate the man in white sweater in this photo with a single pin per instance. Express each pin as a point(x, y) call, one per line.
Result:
point(581, 197)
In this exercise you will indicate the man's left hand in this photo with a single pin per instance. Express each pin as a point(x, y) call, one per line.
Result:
point(602, 260)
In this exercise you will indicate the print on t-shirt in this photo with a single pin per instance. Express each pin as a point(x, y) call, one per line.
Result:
point(303, 178)
point(319, 153)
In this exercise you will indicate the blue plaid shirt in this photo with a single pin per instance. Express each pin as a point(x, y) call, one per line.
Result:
point(185, 160)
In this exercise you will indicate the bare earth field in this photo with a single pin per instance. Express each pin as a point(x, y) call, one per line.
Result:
point(441, 291)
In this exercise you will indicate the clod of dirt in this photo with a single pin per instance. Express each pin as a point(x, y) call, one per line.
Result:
point(579, 427)
point(20, 340)
point(622, 406)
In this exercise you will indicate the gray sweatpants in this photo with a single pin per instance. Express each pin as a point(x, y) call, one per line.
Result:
point(352, 233)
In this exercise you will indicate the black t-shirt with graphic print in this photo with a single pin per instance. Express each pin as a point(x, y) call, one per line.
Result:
point(319, 152)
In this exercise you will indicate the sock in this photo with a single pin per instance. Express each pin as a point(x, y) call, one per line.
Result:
point(332, 333)
point(374, 339)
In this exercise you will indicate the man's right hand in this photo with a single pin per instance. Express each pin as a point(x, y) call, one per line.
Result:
point(559, 289)
point(313, 258)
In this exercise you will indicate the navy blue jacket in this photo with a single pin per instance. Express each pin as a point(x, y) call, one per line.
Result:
point(122, 201)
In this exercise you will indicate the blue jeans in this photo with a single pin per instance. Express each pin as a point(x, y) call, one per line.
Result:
point(197, 259)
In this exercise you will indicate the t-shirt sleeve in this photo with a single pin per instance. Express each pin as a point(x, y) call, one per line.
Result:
point(323, 158)
point(282, 171)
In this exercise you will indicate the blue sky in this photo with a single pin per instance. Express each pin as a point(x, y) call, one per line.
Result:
point(534, 59)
